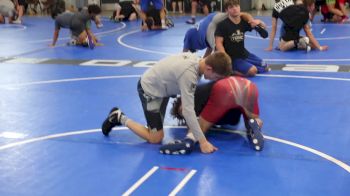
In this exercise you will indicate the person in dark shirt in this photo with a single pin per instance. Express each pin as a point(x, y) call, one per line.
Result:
point(229, 38)
point(295, 16)
point(79, 25)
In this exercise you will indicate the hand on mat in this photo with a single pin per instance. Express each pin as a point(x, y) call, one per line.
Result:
point(207, 147)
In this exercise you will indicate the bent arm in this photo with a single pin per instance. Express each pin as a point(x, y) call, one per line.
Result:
point(313, 42)
point(273, 34)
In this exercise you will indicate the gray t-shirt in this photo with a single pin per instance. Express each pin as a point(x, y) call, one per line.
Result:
point(64, 20)
point(176, 75)
point(212, 27)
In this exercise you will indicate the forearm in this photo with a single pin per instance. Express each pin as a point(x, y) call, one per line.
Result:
point(272, 36)
point(219, 44)
point(55, 37)
point(313, 42)
point(208, 51)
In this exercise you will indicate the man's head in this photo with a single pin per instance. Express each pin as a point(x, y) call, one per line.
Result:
point(232, 7)
point(94, 10)
point(310, 5)
point(217, 65)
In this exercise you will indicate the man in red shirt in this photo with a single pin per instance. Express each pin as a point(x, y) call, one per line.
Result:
point(222, 103)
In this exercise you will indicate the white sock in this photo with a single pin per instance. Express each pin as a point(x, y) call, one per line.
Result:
point(191, 136)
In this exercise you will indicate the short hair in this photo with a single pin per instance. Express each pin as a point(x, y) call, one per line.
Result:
point(229, 3)
point(94, 9)
point(308, 2)
point(220, 62)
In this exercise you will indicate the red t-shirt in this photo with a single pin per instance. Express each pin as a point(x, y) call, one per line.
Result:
point(231, 93)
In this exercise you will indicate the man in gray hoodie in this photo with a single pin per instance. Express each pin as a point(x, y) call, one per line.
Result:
point(171, 76)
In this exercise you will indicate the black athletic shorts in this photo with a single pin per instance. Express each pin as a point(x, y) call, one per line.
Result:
point(153, 108)
point(127, 9)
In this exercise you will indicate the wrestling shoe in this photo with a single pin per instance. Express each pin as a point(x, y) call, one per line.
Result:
point(191, 21)
point(304, 43)
point(72, 42)
point(113, 119)
point(184, 146)
point(90, 42)
point(254, 135)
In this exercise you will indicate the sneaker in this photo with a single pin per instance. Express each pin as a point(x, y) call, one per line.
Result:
point(254, 135)
point(169, 22)
point(99, 25)
point(191, 21)
point(264, 68)
point(112, 120)
point(262, 32)
point(164, 27)
point(17, 22)
point(90, 42)
point(185, 146)
point(72, 42)
point(304, 44)
point(308, 48)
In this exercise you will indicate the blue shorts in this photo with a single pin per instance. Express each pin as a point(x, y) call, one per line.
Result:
point(192, 41)
point(158, 4)
point(243, 65)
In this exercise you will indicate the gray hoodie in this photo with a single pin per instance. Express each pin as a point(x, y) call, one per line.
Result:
point(176, 75)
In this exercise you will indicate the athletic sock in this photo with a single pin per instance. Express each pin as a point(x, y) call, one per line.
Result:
point(124, 119)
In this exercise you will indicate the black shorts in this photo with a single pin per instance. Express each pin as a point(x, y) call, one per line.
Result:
point(290, 34)
point(127, 9)
point(155, 14)
point(153, 108)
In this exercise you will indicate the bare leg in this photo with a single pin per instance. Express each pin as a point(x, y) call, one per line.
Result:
point(145, 133)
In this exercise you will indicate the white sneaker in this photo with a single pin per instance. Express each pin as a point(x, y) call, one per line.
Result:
point(72, 42)
point(164, 27)
point(304, 44)
point(17, 22)
point(100, 25)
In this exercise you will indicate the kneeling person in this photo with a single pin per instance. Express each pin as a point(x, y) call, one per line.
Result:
point(222, 103)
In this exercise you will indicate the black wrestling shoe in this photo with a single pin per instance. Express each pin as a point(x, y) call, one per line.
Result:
point(185, 146)
point(255, 137)
point(112, 120)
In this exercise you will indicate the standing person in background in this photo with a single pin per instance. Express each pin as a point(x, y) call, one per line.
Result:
point(205, 4)
point(179, 5)
point(19, 4)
